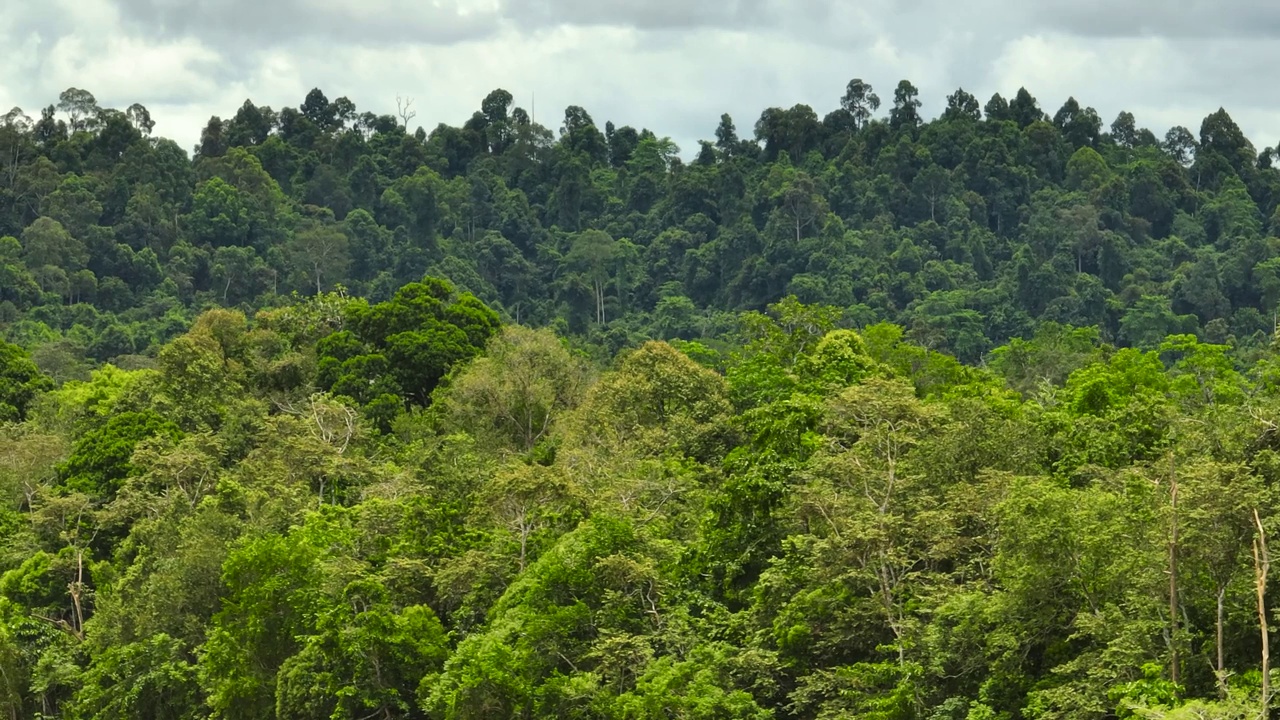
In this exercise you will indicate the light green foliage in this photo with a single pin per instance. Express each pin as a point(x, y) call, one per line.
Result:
point(46, 243)
point(367, 656)
point(203, 371)
point(518, 389)
point(152, 679)
point(1048, 358)
point(839, 360)
point(81, 404)
point(320, 254)
point(659, 400)
point(873, 529)
point(694, 689)
point(775, 343)
point(591, 582)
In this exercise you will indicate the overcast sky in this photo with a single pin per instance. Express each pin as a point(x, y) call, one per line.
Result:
point(669, 65)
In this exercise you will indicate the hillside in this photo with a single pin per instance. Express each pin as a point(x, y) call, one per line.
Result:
point(968, 230)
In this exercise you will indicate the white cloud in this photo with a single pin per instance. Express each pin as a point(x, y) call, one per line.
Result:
point(123, 67)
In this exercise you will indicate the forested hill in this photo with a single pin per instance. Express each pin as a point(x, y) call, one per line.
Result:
point(967, 230)
point(871, 417)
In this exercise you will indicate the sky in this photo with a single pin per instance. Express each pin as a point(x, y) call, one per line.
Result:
point(669, 65)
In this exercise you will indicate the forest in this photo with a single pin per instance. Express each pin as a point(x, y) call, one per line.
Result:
point(863, 415)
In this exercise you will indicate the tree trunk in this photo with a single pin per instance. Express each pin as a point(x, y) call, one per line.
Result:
point(1222, 671)
point(524, 544)
point(1261, 564)
point(75, 589)
point(1173, 573)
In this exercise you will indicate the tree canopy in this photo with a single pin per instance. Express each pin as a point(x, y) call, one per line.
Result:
point(863, 414)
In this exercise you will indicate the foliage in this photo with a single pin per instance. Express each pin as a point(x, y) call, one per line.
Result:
point(974, 417)
point(20, 382)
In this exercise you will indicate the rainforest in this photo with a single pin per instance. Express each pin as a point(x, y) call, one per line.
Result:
point(866, 415)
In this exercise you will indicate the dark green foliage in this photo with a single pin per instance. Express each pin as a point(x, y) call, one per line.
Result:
point(20, 382)
point(100, 459)
point(969, 229)
point(405, 345)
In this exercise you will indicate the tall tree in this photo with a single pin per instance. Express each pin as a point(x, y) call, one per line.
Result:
point(860, 101)
point(905, 114)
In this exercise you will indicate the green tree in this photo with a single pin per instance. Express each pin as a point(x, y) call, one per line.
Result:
point(320, 252)
point(590, 258)
point(101, 458)
point(47, 243)
point(515, 393)
point(860, 101)
point(218, 215)
point(414, 339)
point(20, 382)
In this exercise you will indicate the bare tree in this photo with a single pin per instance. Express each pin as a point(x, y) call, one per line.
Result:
point(404, 109)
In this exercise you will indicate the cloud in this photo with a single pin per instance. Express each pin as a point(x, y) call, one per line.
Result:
point(258, 23)
point(180, 70)
point(651, 15)
point(1185, 19)
point(671, 65)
